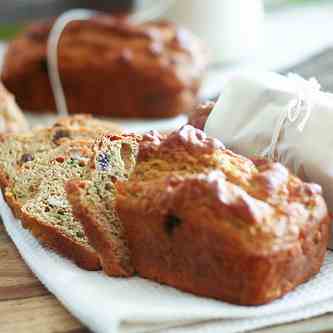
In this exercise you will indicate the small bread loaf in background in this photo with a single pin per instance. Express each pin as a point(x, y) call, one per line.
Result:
point(109, 67)
point(11, 118)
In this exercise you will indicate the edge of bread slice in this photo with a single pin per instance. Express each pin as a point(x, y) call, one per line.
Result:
point(34, 167)
point(93, 202)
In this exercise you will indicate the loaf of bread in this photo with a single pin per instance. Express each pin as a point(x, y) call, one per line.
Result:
point(34, 167)
point(11, 117)
point(93, 201)
point(207, 221)
point(109, 67)
point(179, 209)
point(97, 214)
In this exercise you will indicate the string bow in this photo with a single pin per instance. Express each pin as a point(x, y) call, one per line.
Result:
point(298, 109)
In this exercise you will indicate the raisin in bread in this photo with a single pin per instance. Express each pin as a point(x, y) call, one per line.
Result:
point(34, 167)
point(11, 117)
point(207, 221)
point(93, 201)
point(110, 67)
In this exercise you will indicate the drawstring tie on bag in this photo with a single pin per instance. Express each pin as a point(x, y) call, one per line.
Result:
point(300, 106)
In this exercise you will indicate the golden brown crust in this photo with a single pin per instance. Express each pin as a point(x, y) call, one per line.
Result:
point(198, 262)
point(150, 70)
point(13, 204)
point(97, 233)
point(241, 232)
point(4, 181)
point(181, 243)
point(84, 256)
point(188, 139)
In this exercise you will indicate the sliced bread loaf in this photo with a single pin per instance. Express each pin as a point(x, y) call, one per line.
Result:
point(93, 201)
point(33, 170)
point(207, 221)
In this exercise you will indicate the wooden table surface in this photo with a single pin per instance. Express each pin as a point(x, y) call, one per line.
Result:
point(26, 306)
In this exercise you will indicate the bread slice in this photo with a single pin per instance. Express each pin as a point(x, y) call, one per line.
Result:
point(22, 150)
point(93, 202)
point(34, 167)
point(207, 221)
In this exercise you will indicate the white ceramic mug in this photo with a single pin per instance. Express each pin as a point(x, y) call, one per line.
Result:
point(231, 28)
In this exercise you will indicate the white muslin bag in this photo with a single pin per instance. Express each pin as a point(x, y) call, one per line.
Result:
point(283, 118)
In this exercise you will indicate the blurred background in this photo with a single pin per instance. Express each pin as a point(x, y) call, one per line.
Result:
point(278, 35)
point(14, 13)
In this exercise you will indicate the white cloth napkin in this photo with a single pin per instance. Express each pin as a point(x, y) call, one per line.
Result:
point(110, 305)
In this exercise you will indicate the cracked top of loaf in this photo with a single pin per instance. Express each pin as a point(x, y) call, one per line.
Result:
point(261, 207)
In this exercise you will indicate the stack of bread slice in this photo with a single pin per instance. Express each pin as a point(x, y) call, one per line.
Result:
point(34, 167)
